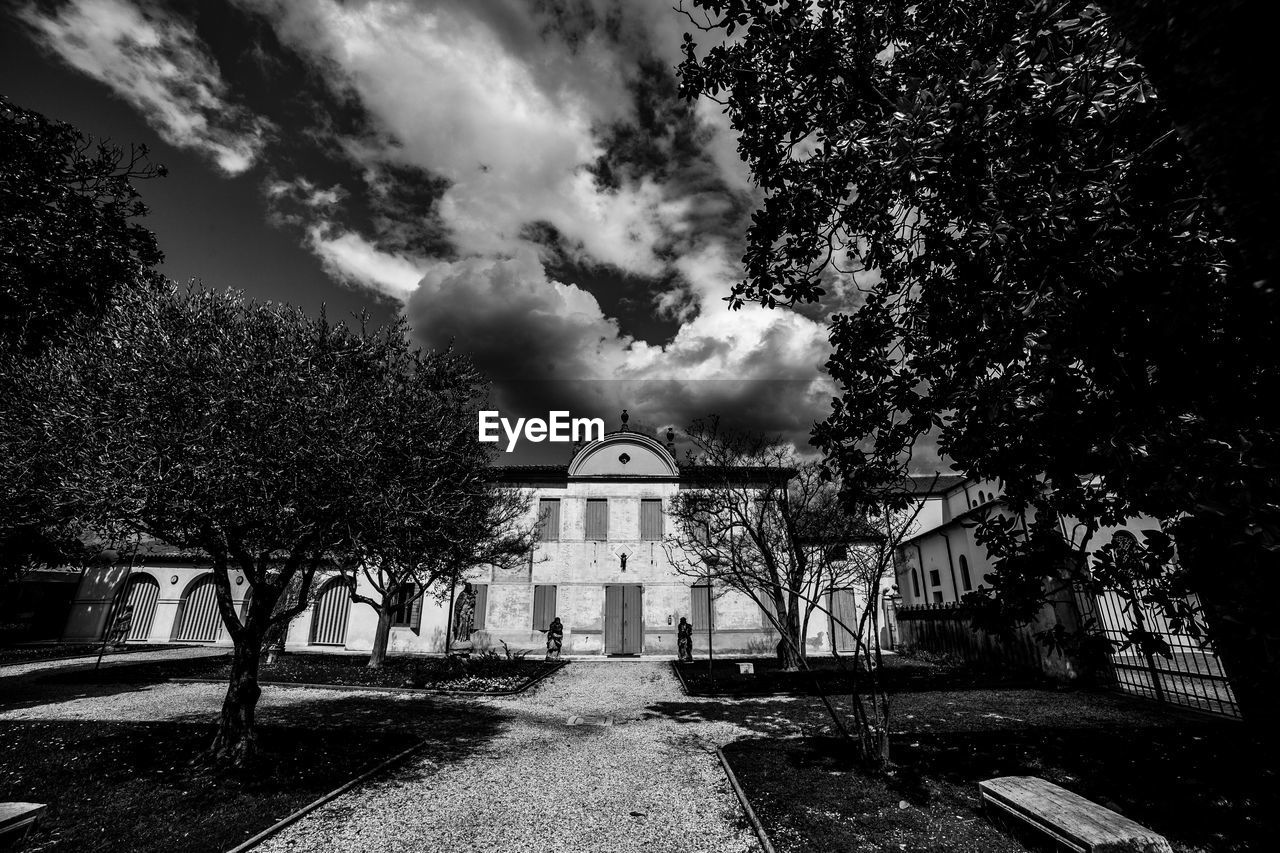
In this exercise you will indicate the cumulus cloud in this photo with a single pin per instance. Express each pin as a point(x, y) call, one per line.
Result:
point(548, 344)
point(157, 64)
point(505, 117)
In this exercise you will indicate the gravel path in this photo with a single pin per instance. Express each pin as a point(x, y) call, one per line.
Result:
point(585, 763)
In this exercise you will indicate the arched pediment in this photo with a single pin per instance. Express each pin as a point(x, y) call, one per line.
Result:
point(623, 454)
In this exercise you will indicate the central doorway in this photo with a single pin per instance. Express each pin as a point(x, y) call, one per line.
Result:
point(623, 619)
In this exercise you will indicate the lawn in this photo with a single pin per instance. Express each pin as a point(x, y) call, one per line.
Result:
point(50, 651)
point(1197, 780)
point(128, 787)
point(831, 676)
point(479, 675)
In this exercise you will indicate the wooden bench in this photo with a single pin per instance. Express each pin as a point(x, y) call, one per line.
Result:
point(17, 819)
point(1070, 819)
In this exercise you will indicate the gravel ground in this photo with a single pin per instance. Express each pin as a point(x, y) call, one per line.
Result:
point(581, 764)
point(16, 669)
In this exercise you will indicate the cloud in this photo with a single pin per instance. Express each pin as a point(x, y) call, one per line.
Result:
point(505, 117)
point(157, 64)
point(548, 345)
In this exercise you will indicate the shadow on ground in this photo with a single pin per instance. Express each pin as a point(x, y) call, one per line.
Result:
point(133, 787)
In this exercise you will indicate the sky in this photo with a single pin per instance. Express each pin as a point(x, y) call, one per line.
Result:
point(517, 178)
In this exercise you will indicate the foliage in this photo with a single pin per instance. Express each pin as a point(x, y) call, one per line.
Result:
point(248, 431)
point(68, 226)
point(433, 510)
point(993, 200)
point(764, 523)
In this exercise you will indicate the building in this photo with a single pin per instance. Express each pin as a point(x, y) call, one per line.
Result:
point(601, 565)
point(940, 560)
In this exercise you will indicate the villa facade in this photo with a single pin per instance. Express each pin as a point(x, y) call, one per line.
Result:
point(603, 564)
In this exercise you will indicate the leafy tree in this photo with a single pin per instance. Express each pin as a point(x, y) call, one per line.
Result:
point(69, 235)
point(69, 241)
point(1025, 265)
point(764, 523)
point(434, 510)
point(248, 431)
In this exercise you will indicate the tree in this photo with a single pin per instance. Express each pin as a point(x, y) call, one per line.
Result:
point(69, 242)
point(1028, 268)
point(763, 523)
point(435, 510)
point(68, 226)
point(245, 430)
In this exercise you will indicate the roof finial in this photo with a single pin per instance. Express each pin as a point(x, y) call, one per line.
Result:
point(671, 436)
point(625, 418)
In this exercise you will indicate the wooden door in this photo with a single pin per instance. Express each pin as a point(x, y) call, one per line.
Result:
point(623, 619)
point(844, 608)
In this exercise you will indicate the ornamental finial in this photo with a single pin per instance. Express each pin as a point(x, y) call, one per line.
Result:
point(625, 418)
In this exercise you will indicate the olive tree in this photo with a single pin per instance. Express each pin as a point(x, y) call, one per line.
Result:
point(249, 431)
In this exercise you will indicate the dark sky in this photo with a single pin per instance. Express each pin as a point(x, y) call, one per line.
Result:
point(517, 177)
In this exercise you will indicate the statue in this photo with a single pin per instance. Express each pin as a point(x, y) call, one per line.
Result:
point(464, 614)
point(555, 638)
point(684, 640)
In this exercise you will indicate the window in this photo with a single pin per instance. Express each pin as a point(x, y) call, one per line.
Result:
point(1124, 546)
point(597, 519)
point(544, 605)
point(402, 606)
point(964, 573)
point(935, 577)
point(699, 520)
point(700, 606)
point(915, 583)
point(482, 605)
point(982, 497)
point(548, 520)
point(837, 553)
point(651, 519)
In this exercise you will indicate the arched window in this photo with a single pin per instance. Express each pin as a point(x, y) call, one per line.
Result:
point(329, 615)
point(915, 583)
point(982, 497)
point(964, 573)
point(1124, 546)
point(198, 620)
point(143, 594)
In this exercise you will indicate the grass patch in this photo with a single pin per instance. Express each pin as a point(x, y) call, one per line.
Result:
point(1200, 782)
point(128, 787)
point(52, 651)
point(831, 676)
point(480, 675)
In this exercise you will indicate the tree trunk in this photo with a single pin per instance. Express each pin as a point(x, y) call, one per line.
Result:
point(791, 644)
point(236, 741)
point(381, 636)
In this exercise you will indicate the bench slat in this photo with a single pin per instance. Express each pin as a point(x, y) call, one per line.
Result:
point(1071, 819)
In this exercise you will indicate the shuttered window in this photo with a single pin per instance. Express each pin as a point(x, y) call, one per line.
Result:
point(549, 519)
point(651, 519)
point(402, 606)
point(700, 606)
point(598, 519)
point(544, 605)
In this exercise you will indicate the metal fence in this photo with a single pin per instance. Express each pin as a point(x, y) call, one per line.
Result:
point(1191, 676)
